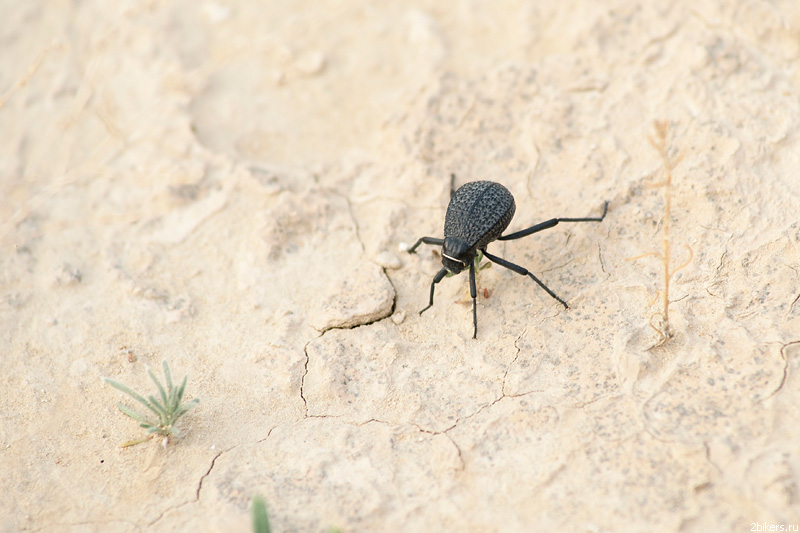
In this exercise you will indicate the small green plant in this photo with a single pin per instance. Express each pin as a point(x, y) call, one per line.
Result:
point(260, 518)
point(167, 411)
point(479, 265)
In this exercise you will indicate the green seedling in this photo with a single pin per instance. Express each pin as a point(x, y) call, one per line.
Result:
point(167, 411)
point(260, 517)
point(478, 267)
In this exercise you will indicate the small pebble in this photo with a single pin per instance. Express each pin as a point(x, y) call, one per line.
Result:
point(310, 63)
point(399, 317)
point(278, 77)
point(284, 54)
point(68, 275)
point(216, 13)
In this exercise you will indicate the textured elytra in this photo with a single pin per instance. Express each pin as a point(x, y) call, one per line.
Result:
point(478, 213)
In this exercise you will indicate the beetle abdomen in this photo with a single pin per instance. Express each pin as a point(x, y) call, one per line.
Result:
point(479, 212)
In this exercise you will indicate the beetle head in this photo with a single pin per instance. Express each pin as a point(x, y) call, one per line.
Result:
point(456, 255)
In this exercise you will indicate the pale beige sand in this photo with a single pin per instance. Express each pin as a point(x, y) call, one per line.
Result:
point(227, 185)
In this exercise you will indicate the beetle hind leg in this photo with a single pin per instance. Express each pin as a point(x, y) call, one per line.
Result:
point(523, 271)
point(549, 224)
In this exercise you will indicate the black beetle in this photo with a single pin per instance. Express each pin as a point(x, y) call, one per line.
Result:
point(478, 214)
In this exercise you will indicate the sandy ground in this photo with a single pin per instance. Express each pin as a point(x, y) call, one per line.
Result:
point(229, 186)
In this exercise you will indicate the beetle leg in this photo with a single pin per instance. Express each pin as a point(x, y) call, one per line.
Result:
point(549, 224)
point(473, 291)
point(436, 279)
point(452, 184)
point(520, 270)
point(426, 240)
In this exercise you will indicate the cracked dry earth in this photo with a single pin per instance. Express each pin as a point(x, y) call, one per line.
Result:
point(230, 186)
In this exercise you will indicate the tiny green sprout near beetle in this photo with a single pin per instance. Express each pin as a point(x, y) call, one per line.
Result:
point(167, 411)
point(478, 214)
point(260, 516)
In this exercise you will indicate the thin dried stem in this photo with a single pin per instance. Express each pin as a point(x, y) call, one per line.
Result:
point(32, 68)
point(660, 142)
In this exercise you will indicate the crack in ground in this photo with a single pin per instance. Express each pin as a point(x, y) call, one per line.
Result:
point(200, 483)
point(444, 432)
point(557, 267)
point(394, 289)
point(459, 420)
point(357, 230)
point(302, 390)
point(708, 457)
point(204, 476)
point(791, 307)
point(458, 450)
point(582, 405)
point(371, 321)
point(197, 492)
point(508, 368)
point(482, 408)
point(785, 370)
point(303, 380)
point(104, 524)
point(600, 256)
point(165, 511)
point(450, 438)
point(210, 468)
point(374, 421)
point(259, 441)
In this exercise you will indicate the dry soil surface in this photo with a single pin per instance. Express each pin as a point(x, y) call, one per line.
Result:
point(231, 185)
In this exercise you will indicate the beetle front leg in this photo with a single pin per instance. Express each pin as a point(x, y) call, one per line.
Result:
point(426, 240)
point(436, 279)
point(473, 291)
